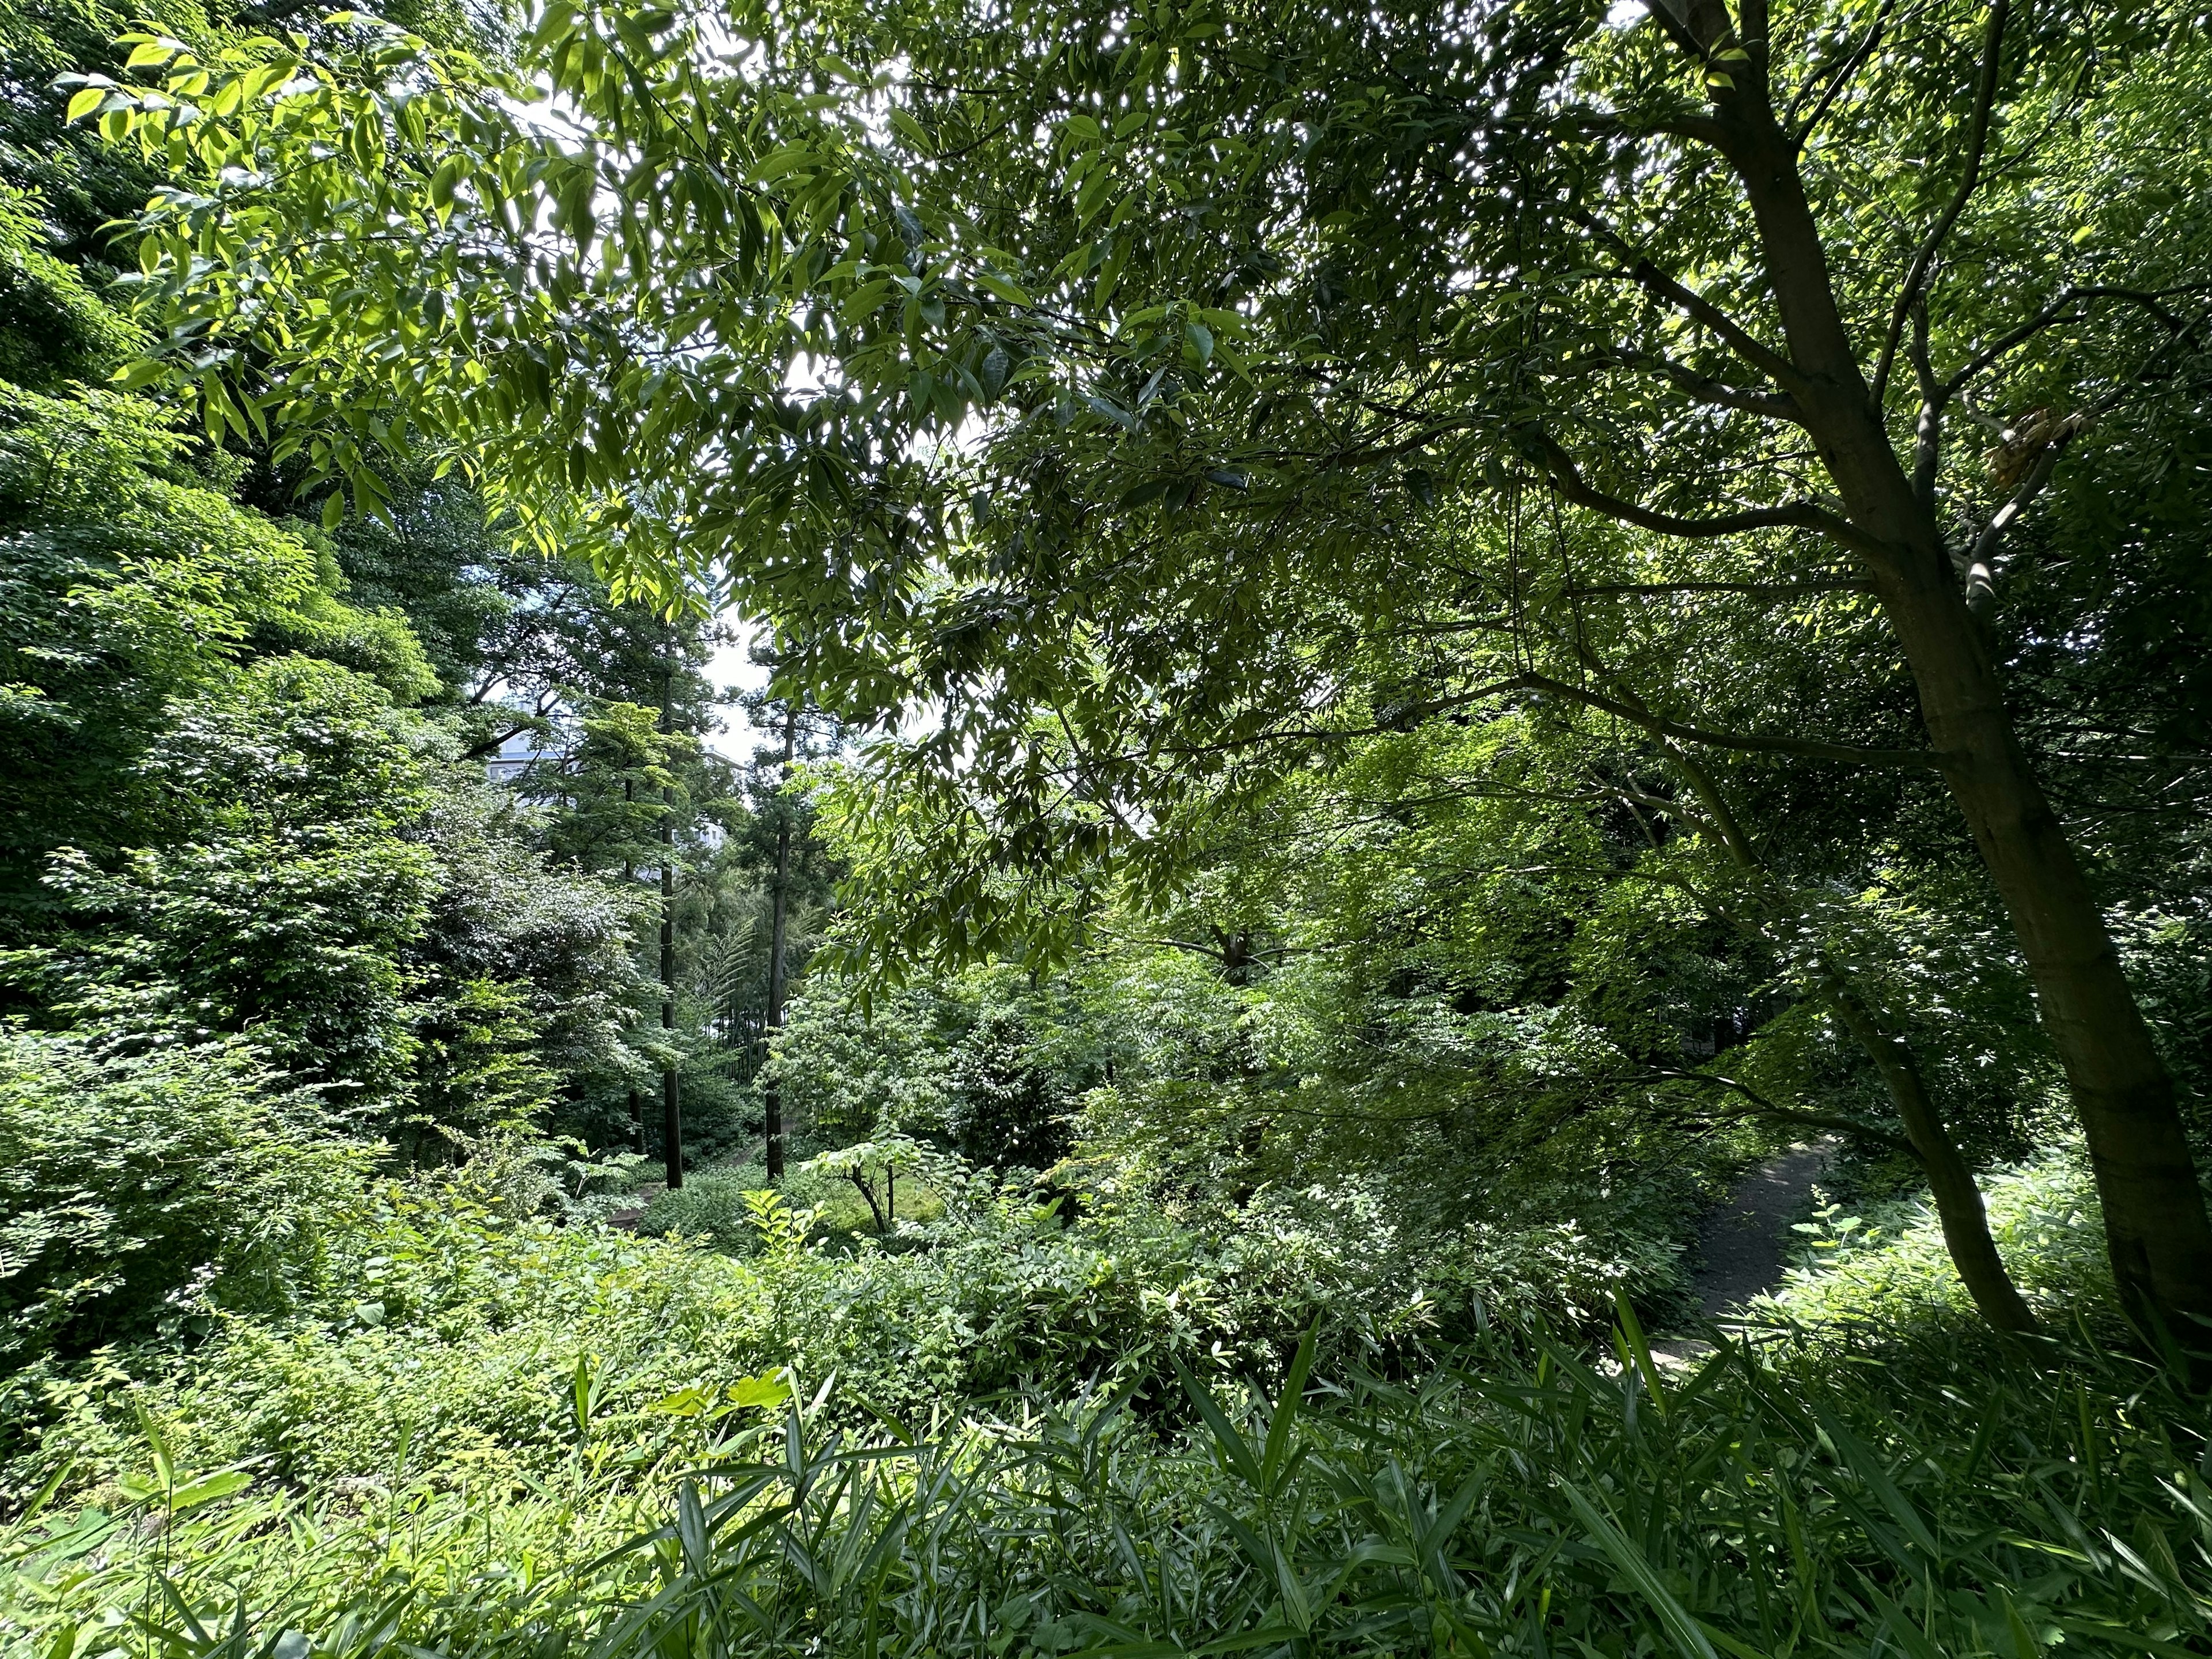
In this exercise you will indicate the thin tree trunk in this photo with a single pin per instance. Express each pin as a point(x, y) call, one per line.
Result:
point(772, 1097)
point(868, 1191)
point(1950, 1180)
point(629, 875)
point(671, 1115)
point(2155, 1226)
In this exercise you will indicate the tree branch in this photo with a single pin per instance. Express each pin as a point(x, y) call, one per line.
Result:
point(1757, 590)
point(491, 746)
point(1664, 728)
point(1928, 437)
point(1799, 515)
point(1759, 1105)
point(1839, 80)
point(1977, 142)
point(273, 12)
point(2056, 312)
point(1703, 387)
point(1651, 279)
point(1981, 582)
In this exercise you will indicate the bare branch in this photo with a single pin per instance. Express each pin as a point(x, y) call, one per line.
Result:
point(1839, 80)
point(1928, 439)
point(2059, 311)
point(1798, 515)
point(1756, 590)
point(273, 12)
point(1651, 279)
point(491, 745)
point(1703, 387)
point(1758, 1104)
point(1977, 142)
point(1664, 728)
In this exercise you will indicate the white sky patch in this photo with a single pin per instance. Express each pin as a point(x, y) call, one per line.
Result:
point(733, 673)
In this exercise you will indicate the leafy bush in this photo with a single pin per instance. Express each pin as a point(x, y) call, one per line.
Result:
point(709, 1205)
point(138, 1186)
point(1896, 1273)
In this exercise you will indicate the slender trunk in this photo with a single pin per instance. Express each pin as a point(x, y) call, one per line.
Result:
point(1950, 1180)
point(868, 1191)
point(772, 1097)
point(2155, 1227)
point(672, 1115)
point(629, 875)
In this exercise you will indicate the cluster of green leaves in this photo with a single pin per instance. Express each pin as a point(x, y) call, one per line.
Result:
point(1198, 277)
point(146, 1191)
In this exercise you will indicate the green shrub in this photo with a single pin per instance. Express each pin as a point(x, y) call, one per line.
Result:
point(139, 1187)
point(1892, 1271)
point(709, 1205)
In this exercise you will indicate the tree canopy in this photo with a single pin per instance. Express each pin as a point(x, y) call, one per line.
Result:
point(1162, 401)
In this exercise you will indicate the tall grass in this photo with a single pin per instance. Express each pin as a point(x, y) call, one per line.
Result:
point(1915, 1499)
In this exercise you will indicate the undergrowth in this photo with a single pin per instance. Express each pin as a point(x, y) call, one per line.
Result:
point(1516, 1498)
point(1888, 1268)
point(488, 1436)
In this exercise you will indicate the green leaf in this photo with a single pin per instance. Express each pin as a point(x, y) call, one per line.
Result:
point(764, 1392)
point(209, 1487)
point(685, 1403)
point(1232, 1444)
point(1286, 1413)
point(1631, 1330)
point(1863, 1461)
point(1688, 1635)
point(165, 1467)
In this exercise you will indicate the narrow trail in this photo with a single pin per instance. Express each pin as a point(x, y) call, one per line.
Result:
point(1743, 1241)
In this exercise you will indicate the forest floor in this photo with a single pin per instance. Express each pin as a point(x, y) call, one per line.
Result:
point(1743, 1241)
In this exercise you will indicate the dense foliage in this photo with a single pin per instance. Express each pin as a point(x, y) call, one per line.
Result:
point(1400, 659)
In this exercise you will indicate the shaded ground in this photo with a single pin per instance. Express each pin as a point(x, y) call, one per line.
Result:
point(1743, 1241)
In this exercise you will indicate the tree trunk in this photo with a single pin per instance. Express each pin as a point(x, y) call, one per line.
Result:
point(629, 875)
point(2156, 1231)
point(671, 1115)
point(772, 1097)
point(1950, 1180)
point(860, 1179)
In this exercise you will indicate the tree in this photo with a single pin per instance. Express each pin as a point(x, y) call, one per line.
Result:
point(1264, 307)
point(225, 823)
point(784, 820)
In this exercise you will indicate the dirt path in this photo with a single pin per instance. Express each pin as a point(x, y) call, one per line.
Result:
point(1743, 1241)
